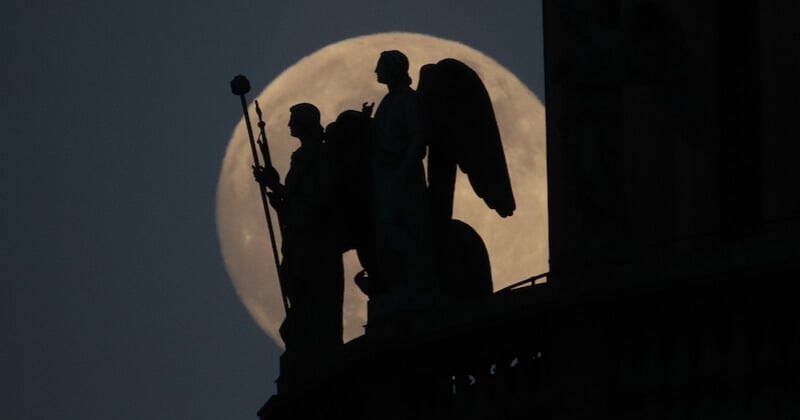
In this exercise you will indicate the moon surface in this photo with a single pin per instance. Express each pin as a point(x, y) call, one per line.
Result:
point(341, 76)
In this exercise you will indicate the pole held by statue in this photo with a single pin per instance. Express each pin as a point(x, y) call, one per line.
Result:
point(240, 86)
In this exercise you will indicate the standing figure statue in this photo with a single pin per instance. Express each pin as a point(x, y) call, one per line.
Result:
point(403, 276)
point(349, 139)
point(311, 267)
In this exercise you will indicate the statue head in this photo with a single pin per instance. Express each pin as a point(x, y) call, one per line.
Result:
point(392, 68)
point(304, 121)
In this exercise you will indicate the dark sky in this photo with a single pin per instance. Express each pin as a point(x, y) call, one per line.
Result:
point(115, 118)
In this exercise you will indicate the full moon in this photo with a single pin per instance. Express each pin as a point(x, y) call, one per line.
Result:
point(341, 76)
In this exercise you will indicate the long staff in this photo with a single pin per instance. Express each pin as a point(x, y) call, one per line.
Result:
point(240, 86)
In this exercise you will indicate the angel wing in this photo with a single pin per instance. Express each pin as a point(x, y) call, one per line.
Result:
point(462, 131)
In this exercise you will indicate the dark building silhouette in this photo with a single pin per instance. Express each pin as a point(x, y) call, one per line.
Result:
point(674, 217)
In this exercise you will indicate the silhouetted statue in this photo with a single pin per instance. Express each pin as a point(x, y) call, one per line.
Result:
point(461, 130)
point(349, 138)
point(311, 266)
point(402, 211)
point(420, 252)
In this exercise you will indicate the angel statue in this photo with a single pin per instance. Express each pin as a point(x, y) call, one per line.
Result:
point(419, 249)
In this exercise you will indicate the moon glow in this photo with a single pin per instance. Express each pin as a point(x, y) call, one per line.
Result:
point(341, 76)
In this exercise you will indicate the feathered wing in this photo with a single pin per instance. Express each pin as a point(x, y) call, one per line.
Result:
point(463, 128)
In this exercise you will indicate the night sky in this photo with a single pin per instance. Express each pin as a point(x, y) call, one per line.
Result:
point(115, 117)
